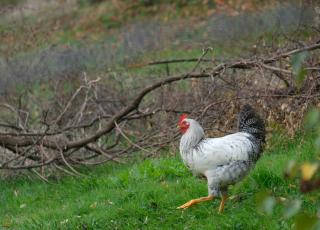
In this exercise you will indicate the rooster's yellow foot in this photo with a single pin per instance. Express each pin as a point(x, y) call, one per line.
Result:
point(195, 201)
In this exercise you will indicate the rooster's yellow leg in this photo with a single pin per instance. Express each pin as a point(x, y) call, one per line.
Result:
point(223, 200)
point(195, 201)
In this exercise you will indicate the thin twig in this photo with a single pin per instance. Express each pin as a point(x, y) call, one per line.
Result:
point(39, 175)
point(131, 142)
point(98, 150)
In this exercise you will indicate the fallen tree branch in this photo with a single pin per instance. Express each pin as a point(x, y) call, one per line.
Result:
point(8, 140)
point(22, 138)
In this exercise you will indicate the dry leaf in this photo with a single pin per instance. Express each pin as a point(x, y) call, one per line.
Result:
point(64, 221)
point(93, 205)
point(110, 202)
point(308, 170)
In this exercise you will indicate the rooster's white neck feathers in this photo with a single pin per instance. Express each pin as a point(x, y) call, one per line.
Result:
point(192, 136)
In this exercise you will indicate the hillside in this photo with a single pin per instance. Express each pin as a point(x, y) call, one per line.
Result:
point(91, 91)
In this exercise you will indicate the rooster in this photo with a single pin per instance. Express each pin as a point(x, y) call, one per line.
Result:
point(224, 160)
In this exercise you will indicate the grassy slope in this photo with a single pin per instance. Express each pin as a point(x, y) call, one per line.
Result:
point(144, 196)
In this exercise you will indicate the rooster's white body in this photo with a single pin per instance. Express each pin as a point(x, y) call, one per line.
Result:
point(224, 160)
point(212, 153)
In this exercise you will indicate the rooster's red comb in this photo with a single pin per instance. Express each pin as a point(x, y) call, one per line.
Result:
point(182, 117)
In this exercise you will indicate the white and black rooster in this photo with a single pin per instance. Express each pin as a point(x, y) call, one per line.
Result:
point(224, 160)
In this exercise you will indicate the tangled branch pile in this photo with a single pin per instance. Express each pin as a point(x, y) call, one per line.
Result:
point(110, 116)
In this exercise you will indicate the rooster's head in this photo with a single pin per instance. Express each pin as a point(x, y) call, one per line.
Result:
point(183, 123)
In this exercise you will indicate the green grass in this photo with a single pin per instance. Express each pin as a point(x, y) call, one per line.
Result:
point(145, 194)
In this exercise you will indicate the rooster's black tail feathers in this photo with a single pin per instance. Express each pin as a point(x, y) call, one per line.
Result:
point(250, 122)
